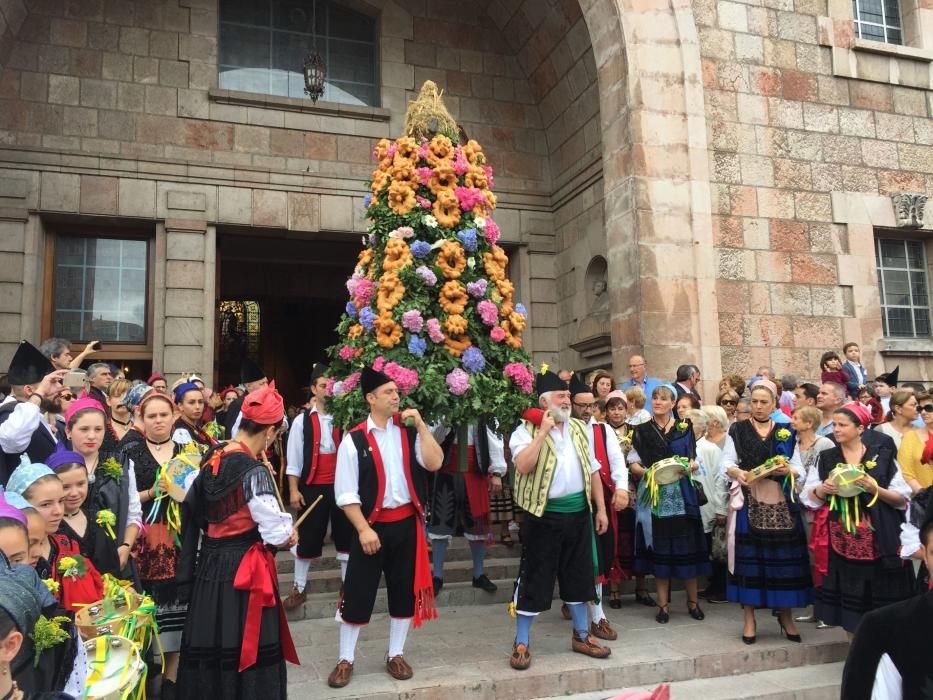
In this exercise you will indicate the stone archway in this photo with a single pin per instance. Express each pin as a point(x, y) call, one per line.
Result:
point(656, 181)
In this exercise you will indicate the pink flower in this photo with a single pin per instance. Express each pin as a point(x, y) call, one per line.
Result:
point(391, 150)
point(469, 197)
point(329, 389)
point(461, 166)
point(346, 353)
point(425, 174)
point(497, 333)
point(379, 363)
point(349, 384)
point(520, 376)
point(353, 283)
point(491, 232)
point(425, 203)
point(458, 382)
point(434, 331)
point(412, 321)
point(424, 151)
point(364, 292)
point(405, 379)
point(488, 170)
point(402, 232)
point(488, 312)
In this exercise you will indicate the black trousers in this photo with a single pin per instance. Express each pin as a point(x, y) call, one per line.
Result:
point(556, 547)
point(313, 531)
point(395, 559)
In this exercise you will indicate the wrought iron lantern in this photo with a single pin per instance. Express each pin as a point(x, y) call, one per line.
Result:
point(315, 72)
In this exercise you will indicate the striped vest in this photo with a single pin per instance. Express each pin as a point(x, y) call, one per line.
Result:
point(530, 490)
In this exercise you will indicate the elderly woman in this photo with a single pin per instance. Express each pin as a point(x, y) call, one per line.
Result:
point(669, 541)
point(768, 559)
point(713, 512)
point(728, 400)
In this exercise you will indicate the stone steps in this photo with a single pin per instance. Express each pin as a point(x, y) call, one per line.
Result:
point(464, 655)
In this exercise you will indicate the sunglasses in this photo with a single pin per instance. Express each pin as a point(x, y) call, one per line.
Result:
point(927, 408)
point(728, 402)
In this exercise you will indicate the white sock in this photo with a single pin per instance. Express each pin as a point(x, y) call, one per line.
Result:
point(398, 631)
point(302, 567)
point(596, 609)
point(343, 559)
point(348, 636)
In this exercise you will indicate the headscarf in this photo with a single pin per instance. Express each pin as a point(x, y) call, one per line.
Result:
point(860, 414)
point(265, 406)
point(8, 510)
point(63, 455)
point(81, 404)
point(616, 394)
point(136, 393)
point(767, 384)
point(23, 595)
point(25, 475)
point(183, 389)
point(155, 377)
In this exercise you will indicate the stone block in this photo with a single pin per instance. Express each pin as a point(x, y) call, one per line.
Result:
point(772, 266)
point(137, 198)
point(193, 103)
point(819, 117)
point(173, 73)
point(184, 303)
point(868, 95)
point(181, 358)
point(11, 267)
point(270, 208)
point(192, 201)
point(749, 47)
point(304, 211)
point(131, 98)
point(251, 139)
point(336, 213)
point(98, 194)
point(116, 125)
point(11, 297)
point(161, 100)
point(63, 32)
point(812, 206)
point(769, 331)
point(64, 89)
point(775, 204)
point(727, 232)
point(80, 121)
point(814, 269)
point(184, 274)
point(757, 170)
point(817, 331)
point(736, 264)
point(134, 41)
point(163, 44)
point(792, 299)
point(202, 197)
point(184, 246)
point(197, 48)
point(184, 331)
point(98, 93)
point(59, 192)
point(732, 16)
point(235, 205)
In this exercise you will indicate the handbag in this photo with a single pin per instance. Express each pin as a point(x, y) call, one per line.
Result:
point(701, 494)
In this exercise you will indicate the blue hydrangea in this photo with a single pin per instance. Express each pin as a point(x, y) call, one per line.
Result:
point(520, 308)
point(420, 249)
point(417, 345)
point(473, 360)
point(367, 318)
point(468, 239)
point(367, 200)
point(351, 309)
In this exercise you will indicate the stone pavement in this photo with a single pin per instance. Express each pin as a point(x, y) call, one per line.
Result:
point(464, 654)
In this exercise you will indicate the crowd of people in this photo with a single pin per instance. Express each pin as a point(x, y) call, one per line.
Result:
point(778, 494)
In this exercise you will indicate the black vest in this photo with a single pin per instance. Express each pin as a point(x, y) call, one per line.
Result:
point(308, 438)
point(369, 476)
point(41, 445)
point(480, 444)
point(233, 412)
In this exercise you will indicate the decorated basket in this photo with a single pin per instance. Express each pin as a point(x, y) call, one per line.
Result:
point(115, 669)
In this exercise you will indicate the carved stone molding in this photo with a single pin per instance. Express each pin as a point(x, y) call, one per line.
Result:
point(909, 209)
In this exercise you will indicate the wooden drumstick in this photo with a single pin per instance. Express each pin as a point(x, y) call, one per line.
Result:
point(278, 494)
point(308, 510)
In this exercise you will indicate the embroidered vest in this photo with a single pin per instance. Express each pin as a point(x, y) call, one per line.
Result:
point(530, 490)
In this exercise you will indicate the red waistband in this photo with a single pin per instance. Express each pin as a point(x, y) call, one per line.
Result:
point(393, 515)
point(326, 469)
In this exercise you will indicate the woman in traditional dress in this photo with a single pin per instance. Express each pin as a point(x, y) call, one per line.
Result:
point(769, 562)
point(189, 398)
point(156, 550)
point(120, 418)
point(112, 485)
point(669, 541)
point(236, 640)
point(864, 570)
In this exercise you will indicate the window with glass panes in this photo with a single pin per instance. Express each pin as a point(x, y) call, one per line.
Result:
point(905, 293)
point(100, 289)
point(878, 20)
point(263, 44)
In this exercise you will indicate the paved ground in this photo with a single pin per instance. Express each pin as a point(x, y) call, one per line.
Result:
point(464, 654)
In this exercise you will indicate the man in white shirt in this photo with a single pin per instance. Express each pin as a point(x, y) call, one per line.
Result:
point(613, 480)
point(311, 467)
point(553, 485)
point(380, 484)
point(829, 399)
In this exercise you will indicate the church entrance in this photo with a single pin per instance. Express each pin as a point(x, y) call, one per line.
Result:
point(279, 299)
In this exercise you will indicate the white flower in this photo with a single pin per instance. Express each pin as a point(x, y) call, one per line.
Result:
point(479, 222)
point(338, 389)
point(471, 263)
point(430, 221)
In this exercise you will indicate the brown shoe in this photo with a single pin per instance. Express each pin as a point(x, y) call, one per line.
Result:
point(341, 674)
point(295, 599)
point(590, 647)
point(521, 657)
point(564, 611)
point(603, 630)
point(398, 668)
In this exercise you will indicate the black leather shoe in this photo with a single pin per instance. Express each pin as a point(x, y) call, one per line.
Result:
point(663, 617)
point(695, 611)
point(484, 583)
point(438, 585)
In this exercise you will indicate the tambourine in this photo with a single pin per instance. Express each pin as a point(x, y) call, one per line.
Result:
point(763, 470)
point(178, 470)
point(667, 471)
point(845, 476)
point(115, 669)
point(107, 616)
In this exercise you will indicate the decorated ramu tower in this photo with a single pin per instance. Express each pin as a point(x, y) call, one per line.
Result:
point(431, 304)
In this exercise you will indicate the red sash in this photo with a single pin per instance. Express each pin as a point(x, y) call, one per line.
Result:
point(605, 475)
point(819, 544)
point(425, 609)
point(394, 515)
point(257, 576)
point(327, 462)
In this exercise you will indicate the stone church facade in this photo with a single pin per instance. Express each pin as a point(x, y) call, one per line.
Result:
point(748, 178)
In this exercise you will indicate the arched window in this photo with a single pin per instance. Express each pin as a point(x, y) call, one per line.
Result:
point(239, 329)
point(263, 44)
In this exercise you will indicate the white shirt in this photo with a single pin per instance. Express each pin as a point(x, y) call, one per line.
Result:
point(134, 508)
point(730, 458)
point(16, 431)
point(389, 441)
point(497, 465)
point(296, 442)
point(813, 480)
point(568, 475)
point(275, 527)
point(617, 467)
point(709, 457)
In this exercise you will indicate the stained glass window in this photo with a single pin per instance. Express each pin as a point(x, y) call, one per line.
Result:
point(905, 294)
point(239, 329)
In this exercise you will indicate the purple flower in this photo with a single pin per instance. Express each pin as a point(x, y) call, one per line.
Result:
point(468, 239)
point(488, 312)
point(473, 360)
point(367, 318)
point(458, 382)
point(520, 308)
point(476, 289)
point(427, 275)
point(417, 345)
point(412, 321)
point(351, 309)
point(420, 249)
point(367, 200)
point(434, 330)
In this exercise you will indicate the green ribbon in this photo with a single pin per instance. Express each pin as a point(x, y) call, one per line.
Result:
point(574, 503)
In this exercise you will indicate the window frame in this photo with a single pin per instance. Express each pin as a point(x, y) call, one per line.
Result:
point(885, 26)
point(898, 236)
point(111, 349)
point(325, 38)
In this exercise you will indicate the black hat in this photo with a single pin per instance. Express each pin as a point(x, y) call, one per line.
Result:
point(370, 380)
point(889, 378)
point(546, 381)
point(318, 370)
point(250, 371)
point(28, 365)
point(578, 387)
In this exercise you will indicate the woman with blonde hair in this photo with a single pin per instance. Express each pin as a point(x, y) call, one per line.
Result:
point(901, 415)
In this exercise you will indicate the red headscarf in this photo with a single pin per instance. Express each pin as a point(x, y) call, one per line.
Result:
point(81, 404)
point(265, 406)
point(860, 411)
